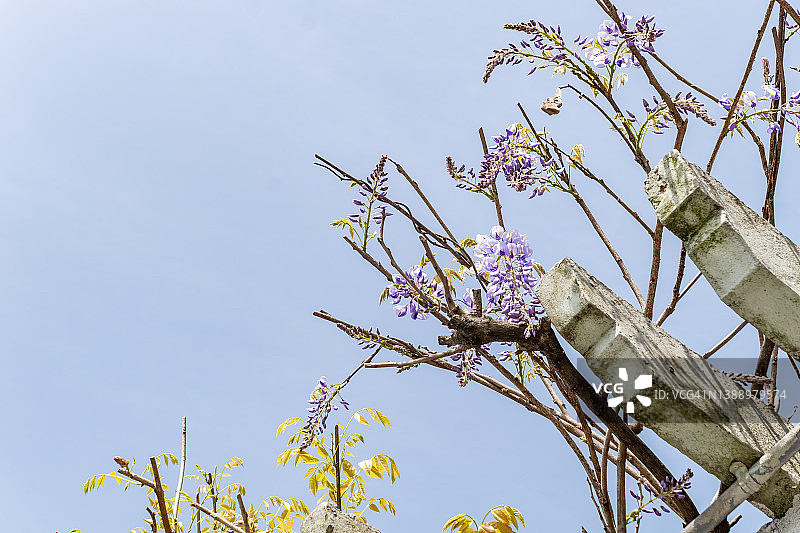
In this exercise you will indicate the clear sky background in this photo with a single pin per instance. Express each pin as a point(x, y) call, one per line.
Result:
point(164, 239)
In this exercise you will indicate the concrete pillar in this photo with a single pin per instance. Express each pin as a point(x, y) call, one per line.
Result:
point(689, 403)
point(752, 266)
point(326, 518)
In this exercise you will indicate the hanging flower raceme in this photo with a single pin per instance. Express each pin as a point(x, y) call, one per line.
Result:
point(613, 45)
point(506, 261)
point(416, 306)
point(321, 404)
point(611, 48)
point(747, 109)
point(523, 162)
point(371, 191)
point(669, 487)
point(467, 362)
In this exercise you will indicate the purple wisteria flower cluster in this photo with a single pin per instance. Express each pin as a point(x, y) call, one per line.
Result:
point(321, 404)
point(545, 47)
point(416, 306)
point(658, 118)
point(467, 362)
point(669, 486)
point(466, 178)
point(371, 191)
point(506, 260)
point(523, 161)
point(613, 44)
point(747, 108)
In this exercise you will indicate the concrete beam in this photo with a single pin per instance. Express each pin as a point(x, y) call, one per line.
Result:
point(752, 266)
point(692, 405)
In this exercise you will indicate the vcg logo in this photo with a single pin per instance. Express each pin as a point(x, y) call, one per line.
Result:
point(642, 382)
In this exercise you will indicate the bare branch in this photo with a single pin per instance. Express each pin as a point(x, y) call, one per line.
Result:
point(181, 471)
point(217, 517)
point(724, 130)
point(159, 490)
point(725, 341)
point(495, 194)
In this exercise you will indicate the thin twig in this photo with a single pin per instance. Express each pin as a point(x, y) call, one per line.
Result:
point(622, 513)
point(776, 138)
point(217, 517)
point(611, 11)
point(415, 186)
point(774, 402)
point(243, 511)
point(337, 465)
point(621, 264)
point(789, 9)
point(153, 520)
point(732, 111)
point(419, 360)
point(655, 264)
point(604, 464)
point(181, 471)
point(581, 96)
point(451, 306)
point(681, 78)
point(759, 146)
point(676, 288)
point(725, 341)
point(425, 298)
point(159, 490)
point(197, 499)
point(139, 479)
point(495, 194)
point(589, 174)
point(369, 259)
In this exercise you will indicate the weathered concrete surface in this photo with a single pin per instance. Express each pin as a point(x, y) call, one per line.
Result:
point(694, 407)
point(752, 266)
point(790, 523)
point(326, 518)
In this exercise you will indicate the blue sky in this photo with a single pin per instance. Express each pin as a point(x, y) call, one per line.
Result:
point(165, 238)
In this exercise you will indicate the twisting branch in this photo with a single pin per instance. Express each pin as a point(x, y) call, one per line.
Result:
point(596, 225)
point(622, 513)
